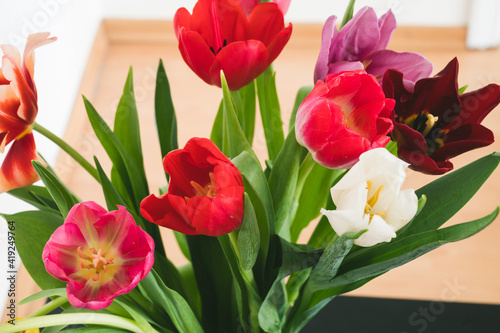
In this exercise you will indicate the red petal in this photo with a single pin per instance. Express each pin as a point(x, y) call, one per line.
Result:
point(265, 22)
point(182, 19)
point(476, 105)
point(278, 43)
point(463, 139)
point(16, 170)
point(160, 211)
point(196, 54)
point(219, 20)
point(241, 63)
point(423, 163)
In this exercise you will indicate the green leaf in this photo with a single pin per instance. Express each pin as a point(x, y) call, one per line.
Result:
point(111, 195)
point(349, 13)
point(182, 242)
point(311, 301)
point(270, 112)
point(252, 171)
point(463, 89)
point(247, 95)
point(234, 140)
point(312, 197)
point(32, 231)
point(218, 127)
point(449, 193)
point(174, 304)
point(214, 281)
point(126, 127)
point(166, 121)
point(44, 294)
point(301, 95)
point(95, 329)
point(282, 183)
point(132, 179)
point(293, 258)
point(137, 316)
point(37, 196)
point(363, 265)
point(59, 192)
point(248, 237)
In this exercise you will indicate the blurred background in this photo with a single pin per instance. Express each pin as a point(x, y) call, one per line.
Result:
point(60, 66)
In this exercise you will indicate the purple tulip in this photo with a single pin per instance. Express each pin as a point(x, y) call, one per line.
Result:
point(361, 44)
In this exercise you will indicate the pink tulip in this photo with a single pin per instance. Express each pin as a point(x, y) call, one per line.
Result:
point(100, 254)
point(344, 117)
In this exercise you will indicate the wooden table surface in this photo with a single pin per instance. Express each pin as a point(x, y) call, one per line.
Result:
point(468, 271)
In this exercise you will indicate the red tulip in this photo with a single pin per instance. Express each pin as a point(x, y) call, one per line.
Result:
point(18, 110)
point(205, 193)
point(219, 37)
point(344, 117)
point(433, 123)
point(101, 255)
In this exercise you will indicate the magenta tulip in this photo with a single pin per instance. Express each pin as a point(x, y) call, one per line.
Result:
point(361, 44)
point(101, 255)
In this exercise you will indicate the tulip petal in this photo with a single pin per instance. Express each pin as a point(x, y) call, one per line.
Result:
point(463, 139)
point(278, 43)
point(476, 105)
point(378, 231)
point(196, 53)
point(16, 170)
point(85, 216)
point(160, 211)
point(219, 21)
point(241, 62)
point(328, 35)
point(386, 25)
point(182, 19)
point(33, 42)
point(265, 12)
point(413, 65)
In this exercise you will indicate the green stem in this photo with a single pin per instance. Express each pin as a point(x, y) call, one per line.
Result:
point(68, 149)
point(69, 319)
point(49, 307)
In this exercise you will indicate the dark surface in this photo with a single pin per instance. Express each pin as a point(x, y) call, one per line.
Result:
point(373, 315)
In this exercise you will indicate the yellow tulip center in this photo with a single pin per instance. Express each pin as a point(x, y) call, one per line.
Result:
point(371, 201)
point(95, 261)
point(208, 191)
point(429, 125)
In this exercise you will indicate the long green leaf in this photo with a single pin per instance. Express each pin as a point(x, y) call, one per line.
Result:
point(282, 183)
point(248, 237)
point(247, 94)
point(214, 281)
point(174, 304)
point(32, 231)
point(270, 112)
point(37, 196)
point(44, 294)
point(132, 179)
point(449, 193)
point(126, 127)
point(311, 301)
point(166, 121)
point(234, 140)
point(62, 196)
point(218, 127)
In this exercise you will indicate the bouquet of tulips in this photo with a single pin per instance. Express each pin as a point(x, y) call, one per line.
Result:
point(371, 114)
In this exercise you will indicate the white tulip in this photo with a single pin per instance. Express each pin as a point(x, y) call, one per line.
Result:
point(369, 197)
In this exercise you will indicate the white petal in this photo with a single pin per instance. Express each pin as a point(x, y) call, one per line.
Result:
point(343, 221)
point(402, 209)
point(378, 232)
point(353, 198)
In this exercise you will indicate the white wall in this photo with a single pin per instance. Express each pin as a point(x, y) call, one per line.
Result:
point(408, 12)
